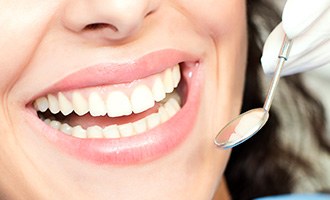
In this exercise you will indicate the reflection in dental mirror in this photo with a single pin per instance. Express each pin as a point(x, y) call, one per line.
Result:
point(249, 123)
point(242, 128)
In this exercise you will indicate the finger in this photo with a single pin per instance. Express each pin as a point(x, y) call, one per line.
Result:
point(308, 60)
point(299, 15)
point(271, 49)
point(310, 50)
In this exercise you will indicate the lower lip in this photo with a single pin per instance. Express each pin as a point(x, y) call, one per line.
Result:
point(146, 147)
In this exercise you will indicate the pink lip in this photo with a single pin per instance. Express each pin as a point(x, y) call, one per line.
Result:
point(114, 73)
point(140, 148)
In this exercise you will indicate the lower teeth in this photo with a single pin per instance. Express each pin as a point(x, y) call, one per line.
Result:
point(165, 111)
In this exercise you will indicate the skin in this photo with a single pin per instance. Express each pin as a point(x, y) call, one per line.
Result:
point(42, 41)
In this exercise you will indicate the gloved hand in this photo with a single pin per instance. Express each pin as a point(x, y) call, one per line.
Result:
point(307, 23)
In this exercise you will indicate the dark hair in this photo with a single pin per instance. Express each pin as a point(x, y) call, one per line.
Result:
point(263, 166)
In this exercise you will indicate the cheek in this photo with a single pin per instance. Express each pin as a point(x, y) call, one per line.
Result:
point(231, 43)
point(225, 22)
point(24, 23)
point(217, 17)
point(226, 73)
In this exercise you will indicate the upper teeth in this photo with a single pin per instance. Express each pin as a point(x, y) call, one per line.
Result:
point(115, 103)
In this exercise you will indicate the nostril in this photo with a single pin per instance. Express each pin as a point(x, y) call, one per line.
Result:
point(98, 26)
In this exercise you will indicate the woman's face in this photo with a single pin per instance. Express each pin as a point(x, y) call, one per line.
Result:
point(82, 95)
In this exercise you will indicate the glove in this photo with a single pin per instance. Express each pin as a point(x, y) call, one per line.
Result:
point(307, 24)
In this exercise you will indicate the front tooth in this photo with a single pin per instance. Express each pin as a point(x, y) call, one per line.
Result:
point(118, 104)
point(153, 120)
point(64, 104)
point(126, 130)
point(94, 132)
point(80, 105)
point(79, 132)
point(111, 132)
point(96, 105)
point(168, 80)
point(158, 90)
point(53, 104)
point(142, 99)
point(41, 104)
point(140, 126)
point(176, 75)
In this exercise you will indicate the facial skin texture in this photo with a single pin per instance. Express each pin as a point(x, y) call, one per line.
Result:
point(42, 41)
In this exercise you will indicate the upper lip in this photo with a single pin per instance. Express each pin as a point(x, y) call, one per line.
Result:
point(117, 73)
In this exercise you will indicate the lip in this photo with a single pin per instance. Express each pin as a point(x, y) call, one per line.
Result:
point(145, 147)
point(114, 73)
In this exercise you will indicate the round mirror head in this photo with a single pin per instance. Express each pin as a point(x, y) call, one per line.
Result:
point(241, 128)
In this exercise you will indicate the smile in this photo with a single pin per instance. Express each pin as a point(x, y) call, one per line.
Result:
point(125, 115)
point(108, 105)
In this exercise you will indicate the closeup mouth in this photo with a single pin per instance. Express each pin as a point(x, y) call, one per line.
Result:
point(122, 113)
point(116, 111)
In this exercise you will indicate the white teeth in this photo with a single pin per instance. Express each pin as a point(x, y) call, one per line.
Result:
point(55, 124)
point(163, 114)
point(170, 108)
point(153, 120)
point(158, 90)
point(115, 103)
point(64, 104)
point(142, 99)
point(174, 103)
point(79, 132)
point(80, 105)
point(65, 128)
point(176, 97)
point(47, 121)
point(126, 130)
point(53, 104)
point(140, 126)
point(168, 80)
point(41, 104)
point(118, 104)
point(111, 132)
point(96, 105)
point(176, 75)
point(94, 132)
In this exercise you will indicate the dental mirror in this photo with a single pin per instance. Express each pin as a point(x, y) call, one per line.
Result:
point(249, 123)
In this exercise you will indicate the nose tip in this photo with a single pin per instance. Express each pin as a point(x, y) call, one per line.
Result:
point(117, 18)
